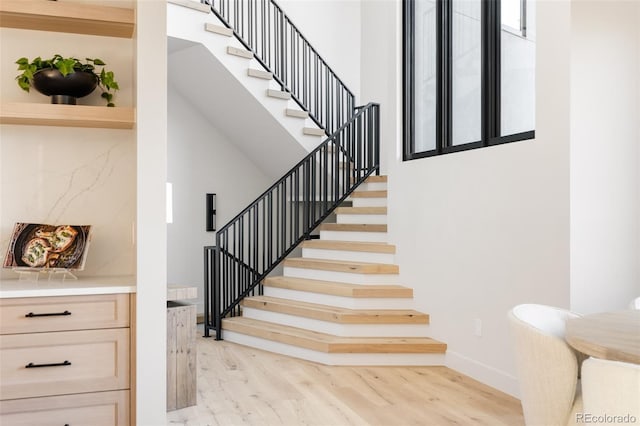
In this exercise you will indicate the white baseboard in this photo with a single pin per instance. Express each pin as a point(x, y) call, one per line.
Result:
point(486, 374)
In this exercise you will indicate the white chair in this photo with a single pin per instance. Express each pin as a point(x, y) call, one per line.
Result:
point(635, 303)
point(547, 366)
point(611, 389)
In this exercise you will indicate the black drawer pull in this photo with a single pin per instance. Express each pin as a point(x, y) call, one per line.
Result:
point(58, 364)
point(53, 314)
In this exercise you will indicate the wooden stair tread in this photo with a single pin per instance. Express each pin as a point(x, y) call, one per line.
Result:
point(339, 289)
point(296, 113)
point(328, 343)
point(261, 74)
point(336, 314)
point(218, 29)
point(242, 53)
point(361, 210)
point(376, 179)
point(313, 131)
point(353, 227)
point(341, 266)
point(350, 246)
point(278, 94)
point(369, 194)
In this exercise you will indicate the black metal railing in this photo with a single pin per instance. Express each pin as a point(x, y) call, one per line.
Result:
point(253, 243)
point(277, 44)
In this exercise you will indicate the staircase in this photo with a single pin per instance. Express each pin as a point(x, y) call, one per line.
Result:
point(224, 81)
point(341, 302)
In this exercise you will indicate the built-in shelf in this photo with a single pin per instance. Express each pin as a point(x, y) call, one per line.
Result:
point(67, 115)
point(66, 17)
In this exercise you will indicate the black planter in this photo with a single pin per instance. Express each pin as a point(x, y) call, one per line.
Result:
point(64, 89)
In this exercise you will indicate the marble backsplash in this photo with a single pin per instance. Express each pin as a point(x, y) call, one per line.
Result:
point(74, 176)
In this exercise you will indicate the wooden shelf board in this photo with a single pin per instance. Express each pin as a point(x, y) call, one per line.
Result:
point(67, 115)
point(61, 16)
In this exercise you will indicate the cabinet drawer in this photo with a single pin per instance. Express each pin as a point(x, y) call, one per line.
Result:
point(39, 314)
point(65, 362)
point(97, 409)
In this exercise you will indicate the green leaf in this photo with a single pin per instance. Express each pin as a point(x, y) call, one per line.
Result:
point(22, 62)
point(66, 66)
point(98, 61)
point(108, 96)
point(24, 84)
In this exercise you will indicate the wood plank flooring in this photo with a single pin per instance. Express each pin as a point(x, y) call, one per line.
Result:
point(245, 386)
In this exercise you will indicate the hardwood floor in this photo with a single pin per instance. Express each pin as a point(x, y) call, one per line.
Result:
point(244, 386)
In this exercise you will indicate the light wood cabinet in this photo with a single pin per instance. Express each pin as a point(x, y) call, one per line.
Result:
point(39, 314)
point(102, 408)
point(46, 353)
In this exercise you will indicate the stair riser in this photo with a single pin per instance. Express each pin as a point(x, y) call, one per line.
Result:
point(339, 301)
point(342, 277)
point(369, 202)
point(367, 237)
point(373, 186)
point(354, 256)
point(370, 219)
point(345, 330)
point(334, 359)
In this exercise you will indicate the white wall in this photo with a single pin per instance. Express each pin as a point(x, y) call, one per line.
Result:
point(333, 29)
point(478, 231)
point(605, 140)
point(151, 128)
point(202, 160)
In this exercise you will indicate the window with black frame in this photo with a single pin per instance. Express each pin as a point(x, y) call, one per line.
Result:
point(469, 74)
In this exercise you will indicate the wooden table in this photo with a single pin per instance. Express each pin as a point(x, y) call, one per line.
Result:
point(609, 335)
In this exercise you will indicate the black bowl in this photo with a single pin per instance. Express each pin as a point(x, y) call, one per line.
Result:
point(51, 82)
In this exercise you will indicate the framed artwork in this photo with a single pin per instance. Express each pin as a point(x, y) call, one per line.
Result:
point(38, 246)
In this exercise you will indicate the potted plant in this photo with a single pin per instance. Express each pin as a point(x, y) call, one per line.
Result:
point(65, 79)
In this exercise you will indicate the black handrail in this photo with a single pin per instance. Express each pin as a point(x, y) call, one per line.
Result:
point(276, 43)
point(254, 242)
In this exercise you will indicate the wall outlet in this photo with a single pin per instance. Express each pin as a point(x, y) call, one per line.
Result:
point(477, 327)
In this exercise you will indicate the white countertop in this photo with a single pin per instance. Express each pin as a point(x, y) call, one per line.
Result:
point(56, 286)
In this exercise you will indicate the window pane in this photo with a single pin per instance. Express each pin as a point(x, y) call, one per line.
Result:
point(517, 77)
point(511, 11)
point(425, 75)
point(466, 51)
